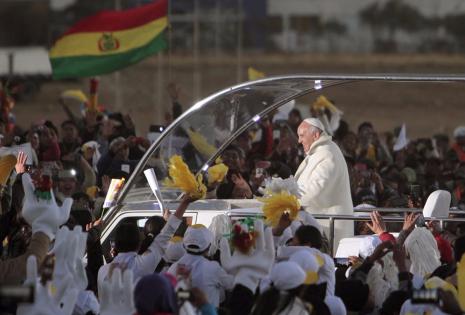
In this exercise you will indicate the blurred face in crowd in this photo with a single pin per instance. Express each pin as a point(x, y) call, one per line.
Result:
point(294, 119)
point(244, 141)
point(45, 135)
point(69, 133)
point(350, 142)
point(366, 134)
point(122, 152)
point(88, 153)
point(232, 159)
point(34, 140)
point(67, 186)
point(307, 135)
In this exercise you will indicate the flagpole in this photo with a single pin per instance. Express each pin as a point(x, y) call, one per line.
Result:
point(196, 78)
point(116, 76)
point(170, 40)
point(239, 42)
point(159, 108)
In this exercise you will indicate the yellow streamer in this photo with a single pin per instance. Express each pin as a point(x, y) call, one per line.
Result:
point(201, 144)
point(181, 177)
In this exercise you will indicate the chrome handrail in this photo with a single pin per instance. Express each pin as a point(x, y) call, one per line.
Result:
point(403, 210)
point(334, 217)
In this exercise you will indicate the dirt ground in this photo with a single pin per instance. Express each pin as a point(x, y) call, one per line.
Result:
point(426, 108)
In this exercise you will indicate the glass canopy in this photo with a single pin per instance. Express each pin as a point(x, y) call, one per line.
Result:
point(208, 127)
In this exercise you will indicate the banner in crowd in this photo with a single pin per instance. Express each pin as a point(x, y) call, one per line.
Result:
point(113, 191)
point(14, 150)
point(109, 41)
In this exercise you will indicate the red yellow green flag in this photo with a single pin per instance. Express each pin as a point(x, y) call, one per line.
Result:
point(110, 40)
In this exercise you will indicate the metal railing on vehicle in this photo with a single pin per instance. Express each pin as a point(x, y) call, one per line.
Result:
point(389, 218)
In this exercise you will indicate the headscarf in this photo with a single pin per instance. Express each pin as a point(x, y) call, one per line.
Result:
point(423, 251)
point(154, 294)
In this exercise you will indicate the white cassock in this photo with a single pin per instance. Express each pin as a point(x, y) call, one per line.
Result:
point(324, 185)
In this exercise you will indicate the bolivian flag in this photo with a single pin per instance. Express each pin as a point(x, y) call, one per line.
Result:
point(110, 40)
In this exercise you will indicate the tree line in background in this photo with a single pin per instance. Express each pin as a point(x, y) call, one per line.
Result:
point(387, 21)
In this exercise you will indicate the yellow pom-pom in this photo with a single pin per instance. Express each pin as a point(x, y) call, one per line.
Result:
point(201, 144)
point(217, 173)
point(276, 204)
point(181, 177)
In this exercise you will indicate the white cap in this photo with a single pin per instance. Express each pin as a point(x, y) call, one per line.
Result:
point(315, 122)
point(459, 132)
point(197, 238)
point(287, 275)
point(175, 250)
point(308, 263)
point(438, 204)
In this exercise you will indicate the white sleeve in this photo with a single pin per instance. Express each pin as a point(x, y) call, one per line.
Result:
point(224, 279)
point(148, 261)
point(160, 243)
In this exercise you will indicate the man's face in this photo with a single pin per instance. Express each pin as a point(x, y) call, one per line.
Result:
point(67, 186)
point(69, 132)
point(232, 159)
point(293, 119)
point(307, 136)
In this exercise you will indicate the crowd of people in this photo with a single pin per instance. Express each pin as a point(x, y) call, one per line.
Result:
point(171, 268)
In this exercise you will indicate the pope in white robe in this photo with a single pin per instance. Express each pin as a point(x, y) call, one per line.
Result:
point(323, 178)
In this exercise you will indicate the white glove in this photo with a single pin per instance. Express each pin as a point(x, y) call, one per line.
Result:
point(250, 268)
point(44, 302)
point(116, 296)
point(69, 249)
point(43, 215)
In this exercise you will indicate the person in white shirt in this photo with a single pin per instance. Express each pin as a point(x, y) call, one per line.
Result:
point(204, 274)
point(127, 244)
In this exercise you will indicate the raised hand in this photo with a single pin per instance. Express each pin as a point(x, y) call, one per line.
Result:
point(409, 221)
point(377, 223)
point(69, 249)
point(116, 296)
point(43, 215)
point(44, 302)
point(21, 162)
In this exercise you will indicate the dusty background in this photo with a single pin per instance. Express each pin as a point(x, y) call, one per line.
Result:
point(426, 108)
